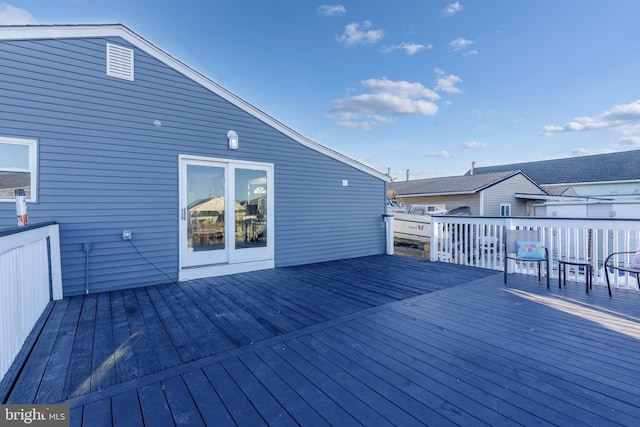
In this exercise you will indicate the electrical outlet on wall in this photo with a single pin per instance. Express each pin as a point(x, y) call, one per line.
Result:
point(126, 234)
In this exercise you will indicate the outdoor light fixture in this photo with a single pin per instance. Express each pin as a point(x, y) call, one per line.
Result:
point(233, 139)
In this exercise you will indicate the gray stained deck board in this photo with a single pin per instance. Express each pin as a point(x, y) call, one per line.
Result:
point(126, 366)
point(267, 406)
point(57, 366)
point(328, 409)
point(179, 339)
point(96, 414)
point(183, 409)
point(376, 341)
point(211, 408)
point(153, 405)
point(386, 412)
point(165, 352)
point(125, 409)
point(103, 357)
point(288, 397)
point(237, 402)
point(78, 380)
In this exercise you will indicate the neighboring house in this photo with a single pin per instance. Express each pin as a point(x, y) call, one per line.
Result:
point(110, 134)
point(592, 208)
point(510, 193)
point(613, 175)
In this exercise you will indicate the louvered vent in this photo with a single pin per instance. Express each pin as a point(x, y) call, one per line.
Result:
point(119, 62)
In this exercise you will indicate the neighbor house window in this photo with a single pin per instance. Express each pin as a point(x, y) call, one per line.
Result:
point(505, 209)
point(18, 167)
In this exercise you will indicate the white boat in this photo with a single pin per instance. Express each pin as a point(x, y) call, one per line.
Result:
point(415, 222)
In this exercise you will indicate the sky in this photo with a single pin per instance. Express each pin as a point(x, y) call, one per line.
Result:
point(427, 86)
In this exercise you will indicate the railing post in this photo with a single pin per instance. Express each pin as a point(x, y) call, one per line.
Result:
point(56, 267)
point(388, 220)
point(434, 239)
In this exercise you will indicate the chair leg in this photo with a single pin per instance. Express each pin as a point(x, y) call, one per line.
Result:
point(505, 268)
point(548, 274)
point(606, 275)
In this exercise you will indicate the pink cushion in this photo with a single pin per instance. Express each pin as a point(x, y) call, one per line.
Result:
point(636, 260)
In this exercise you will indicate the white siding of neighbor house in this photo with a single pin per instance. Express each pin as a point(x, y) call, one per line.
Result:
point(490, 198)
point(105, 167)
point(504, 193)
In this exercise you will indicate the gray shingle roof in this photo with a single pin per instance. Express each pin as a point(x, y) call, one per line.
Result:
point(620, 166)
point(465, 184)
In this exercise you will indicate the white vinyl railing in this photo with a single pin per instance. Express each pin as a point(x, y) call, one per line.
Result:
point(30, 276)
point(478, 241)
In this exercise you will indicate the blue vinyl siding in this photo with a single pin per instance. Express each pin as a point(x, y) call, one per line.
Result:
point(104, 166)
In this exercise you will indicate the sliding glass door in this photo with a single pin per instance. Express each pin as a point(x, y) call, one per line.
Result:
point(226, 210)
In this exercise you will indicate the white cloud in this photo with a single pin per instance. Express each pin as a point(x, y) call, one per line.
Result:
point(331, 10)
point(452, 9)
point(629, 142)
point(386, 99)
point(409, 48)
point(11, 15)
point(623, 118)
point(400, 88)
point(447, 83)
point(355, 34)
point(471, 53)
point(460, 44)
point(443, 153)
point(474, 145)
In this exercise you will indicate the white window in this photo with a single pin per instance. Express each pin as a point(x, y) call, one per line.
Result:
point(505, 209)
point(18, 168)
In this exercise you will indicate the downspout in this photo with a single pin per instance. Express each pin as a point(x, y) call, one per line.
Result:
point(481, 213)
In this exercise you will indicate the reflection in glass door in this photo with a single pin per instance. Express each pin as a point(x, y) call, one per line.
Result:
point(204, 214)
point(250, 208)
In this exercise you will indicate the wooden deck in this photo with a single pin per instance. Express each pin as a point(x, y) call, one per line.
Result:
point(382, 340)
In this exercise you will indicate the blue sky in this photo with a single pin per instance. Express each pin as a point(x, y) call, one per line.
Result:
point(428, 86)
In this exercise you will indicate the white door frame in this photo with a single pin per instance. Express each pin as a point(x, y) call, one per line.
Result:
point(235, 260)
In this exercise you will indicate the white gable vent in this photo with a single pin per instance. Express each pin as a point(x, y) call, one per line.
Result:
point(119, 62)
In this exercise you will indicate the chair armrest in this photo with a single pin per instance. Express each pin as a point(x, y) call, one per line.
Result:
point(614, 254)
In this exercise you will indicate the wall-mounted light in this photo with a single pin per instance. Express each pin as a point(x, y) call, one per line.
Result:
point(233, 139)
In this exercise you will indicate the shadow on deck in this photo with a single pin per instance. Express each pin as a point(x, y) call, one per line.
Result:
point(360, 341)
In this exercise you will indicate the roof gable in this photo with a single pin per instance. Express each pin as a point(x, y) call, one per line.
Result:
point(611, 167)
point(464, 184)
point(31, 32)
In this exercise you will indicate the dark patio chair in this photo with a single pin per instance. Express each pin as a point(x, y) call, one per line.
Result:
point(614, 263)
point(525, 246)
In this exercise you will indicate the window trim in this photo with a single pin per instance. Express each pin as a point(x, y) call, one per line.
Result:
point(33, 165)
point(505, 207)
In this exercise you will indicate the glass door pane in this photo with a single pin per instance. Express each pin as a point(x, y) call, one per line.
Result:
point(205, 214)
point(250, 208)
